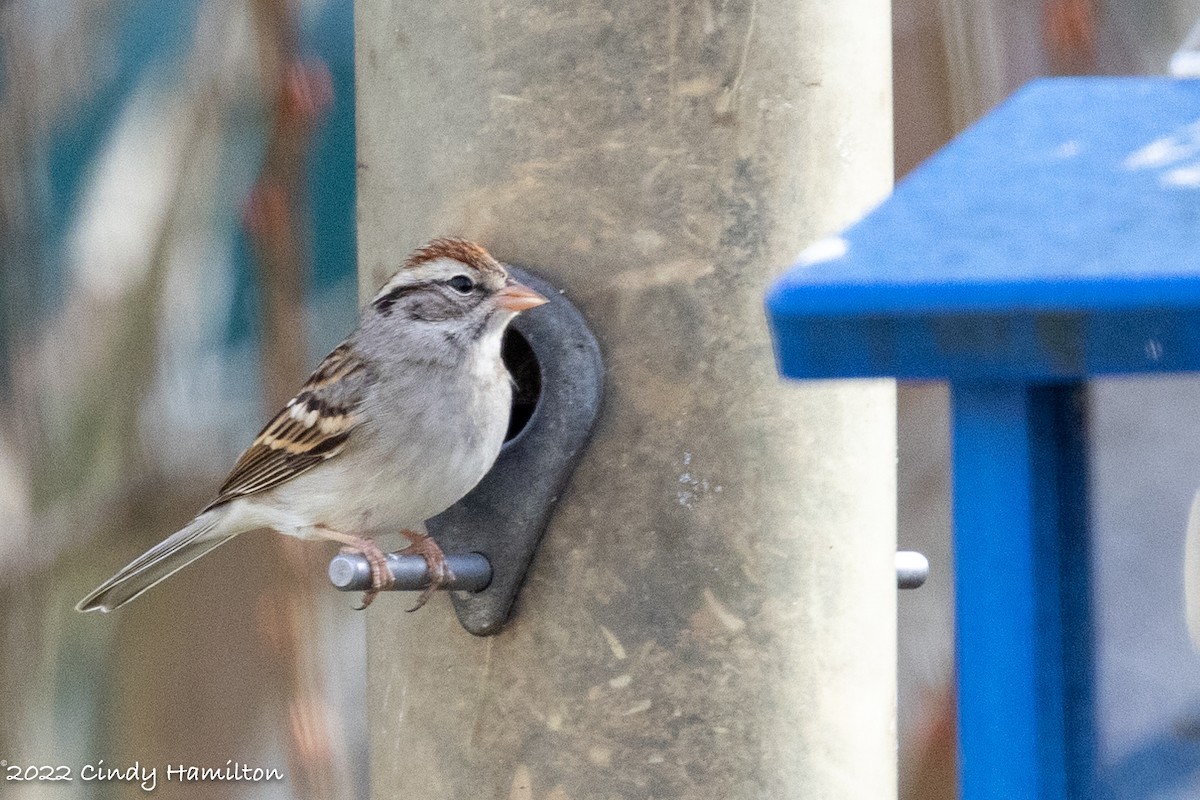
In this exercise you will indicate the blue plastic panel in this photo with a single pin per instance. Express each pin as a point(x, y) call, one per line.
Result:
point(1019, 346)
point(1057, 238)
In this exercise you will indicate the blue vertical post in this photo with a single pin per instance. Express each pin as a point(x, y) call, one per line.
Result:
point(1021, 561)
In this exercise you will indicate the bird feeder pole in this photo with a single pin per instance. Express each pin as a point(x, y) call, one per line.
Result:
point(712, 610)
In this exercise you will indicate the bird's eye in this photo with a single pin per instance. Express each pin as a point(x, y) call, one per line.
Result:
point(461, 284)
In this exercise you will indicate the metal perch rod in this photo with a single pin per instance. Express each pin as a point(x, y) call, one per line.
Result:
point(912, 569)
point(350, 572)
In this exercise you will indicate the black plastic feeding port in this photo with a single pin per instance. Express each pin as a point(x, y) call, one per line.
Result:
point(527, 376)
point(559, 376)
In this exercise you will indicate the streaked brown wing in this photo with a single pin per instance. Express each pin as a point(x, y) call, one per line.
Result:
point(313, 427)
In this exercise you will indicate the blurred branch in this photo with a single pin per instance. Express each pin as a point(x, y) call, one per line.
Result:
point(276, 220)
point(975, 57)
point(1069, 34)
point(932, 753)
point(275, 213)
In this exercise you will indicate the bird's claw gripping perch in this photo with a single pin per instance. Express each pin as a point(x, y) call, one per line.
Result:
point(435, 560)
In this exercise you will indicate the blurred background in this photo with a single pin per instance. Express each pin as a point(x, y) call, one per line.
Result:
point(177, 239)
point(177, 250)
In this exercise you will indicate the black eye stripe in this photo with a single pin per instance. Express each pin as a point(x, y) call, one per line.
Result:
point(384, 304)
point(461, 286)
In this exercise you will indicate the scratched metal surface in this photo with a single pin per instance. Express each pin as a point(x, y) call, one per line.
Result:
point(659, 161)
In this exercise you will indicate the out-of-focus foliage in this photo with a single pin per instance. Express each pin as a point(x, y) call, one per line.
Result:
point(131, 132)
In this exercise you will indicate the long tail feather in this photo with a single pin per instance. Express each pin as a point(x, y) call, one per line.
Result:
point(172, 554)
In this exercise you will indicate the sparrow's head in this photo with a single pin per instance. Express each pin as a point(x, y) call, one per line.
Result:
point(450, 293)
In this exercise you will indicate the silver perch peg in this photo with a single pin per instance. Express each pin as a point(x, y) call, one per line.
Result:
point(912, 569)
point(350, 572)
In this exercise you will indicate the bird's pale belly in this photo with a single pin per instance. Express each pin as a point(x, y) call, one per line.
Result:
point(398, 493)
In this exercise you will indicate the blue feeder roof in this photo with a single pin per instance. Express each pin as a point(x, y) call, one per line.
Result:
point(1057, 238)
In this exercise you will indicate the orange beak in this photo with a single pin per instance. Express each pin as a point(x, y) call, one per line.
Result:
point(517, 297)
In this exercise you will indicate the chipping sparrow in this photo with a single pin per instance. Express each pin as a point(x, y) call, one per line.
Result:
point(395, 425)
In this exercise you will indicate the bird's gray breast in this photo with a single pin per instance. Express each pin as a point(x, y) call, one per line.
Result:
point(433, 434)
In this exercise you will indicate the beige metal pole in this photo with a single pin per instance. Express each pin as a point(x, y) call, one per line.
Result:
point(712, 613)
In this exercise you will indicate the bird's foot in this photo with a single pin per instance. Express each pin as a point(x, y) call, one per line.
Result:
point(381, 574)
point(435, 562)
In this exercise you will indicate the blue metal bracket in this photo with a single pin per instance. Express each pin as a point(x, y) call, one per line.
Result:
point(1054, 241)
